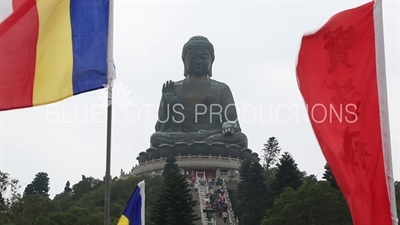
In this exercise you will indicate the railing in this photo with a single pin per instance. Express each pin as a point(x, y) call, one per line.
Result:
point(230, 176)
point(191, 157)
point(231, 214)
point(155, 166)
point(202, 191)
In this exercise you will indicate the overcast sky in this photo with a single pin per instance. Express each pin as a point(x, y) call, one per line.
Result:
point(256, 46)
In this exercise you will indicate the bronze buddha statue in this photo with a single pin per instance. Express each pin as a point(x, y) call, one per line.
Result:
point(197, 108)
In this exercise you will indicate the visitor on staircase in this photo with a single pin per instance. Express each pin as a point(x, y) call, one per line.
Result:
point(225, 215)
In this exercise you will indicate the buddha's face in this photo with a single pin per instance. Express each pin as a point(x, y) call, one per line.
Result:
point(198, 61)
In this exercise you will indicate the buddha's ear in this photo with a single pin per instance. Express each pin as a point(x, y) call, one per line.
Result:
point(185, 71)
point(210, 71)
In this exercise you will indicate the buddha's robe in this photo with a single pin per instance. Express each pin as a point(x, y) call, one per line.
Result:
point(200, 123)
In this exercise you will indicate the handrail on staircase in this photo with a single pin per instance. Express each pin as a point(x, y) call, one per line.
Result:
point(231, 215)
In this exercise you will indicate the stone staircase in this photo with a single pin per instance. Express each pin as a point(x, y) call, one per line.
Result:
point(201, 201)
point(201, 197)
point(220, 221)
point(231, 216)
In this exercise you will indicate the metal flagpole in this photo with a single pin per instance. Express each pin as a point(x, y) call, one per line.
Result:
point(110, 76)
point(108, 159)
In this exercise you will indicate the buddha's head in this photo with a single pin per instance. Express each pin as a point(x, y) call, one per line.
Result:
point(198, 56)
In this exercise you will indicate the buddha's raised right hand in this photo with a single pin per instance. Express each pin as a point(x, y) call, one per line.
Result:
point(169, 93)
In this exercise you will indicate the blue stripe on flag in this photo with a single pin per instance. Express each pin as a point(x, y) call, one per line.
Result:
point(89, 26)
point(134, 210)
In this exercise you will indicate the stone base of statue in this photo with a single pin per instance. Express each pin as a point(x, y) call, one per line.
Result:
point(216, 157)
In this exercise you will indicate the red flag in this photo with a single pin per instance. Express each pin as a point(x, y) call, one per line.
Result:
point(341, 75)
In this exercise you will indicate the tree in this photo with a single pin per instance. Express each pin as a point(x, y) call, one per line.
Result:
point(8, 195)
point(242, 208)
point(30, 208)
point(270, 176)
point(170, 165)
point(281, 211)
point(89, 199)
point(29, 190)
point(315, 202)
point(328, 176)
point(8, 188)
point(271, 152)
point(82, 206)
point(259, 192)
point(252, 193)
point(287, 174)
point(397, 195)
point(85, 186)
point(39, 185)
point(77, 216)
point(67, 188)
point(175, 204)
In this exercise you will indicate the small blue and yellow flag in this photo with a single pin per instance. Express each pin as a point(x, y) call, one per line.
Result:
point(134, 210)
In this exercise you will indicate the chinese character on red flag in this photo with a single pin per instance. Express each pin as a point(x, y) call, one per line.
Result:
point(341, 76)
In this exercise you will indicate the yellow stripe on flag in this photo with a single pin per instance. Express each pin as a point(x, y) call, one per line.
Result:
point(54, 60)
point(123, 221)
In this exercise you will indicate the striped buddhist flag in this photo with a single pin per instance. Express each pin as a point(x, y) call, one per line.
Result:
point(51, 50)
point(134, 210)
point(341, 75)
